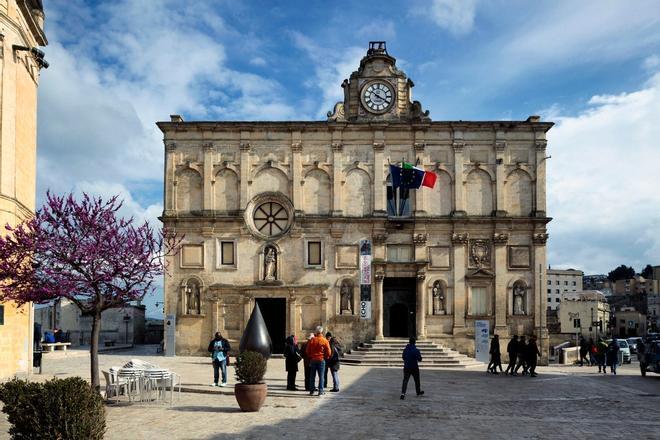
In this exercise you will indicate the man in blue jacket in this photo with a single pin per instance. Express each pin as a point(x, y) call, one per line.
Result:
point(411, 356)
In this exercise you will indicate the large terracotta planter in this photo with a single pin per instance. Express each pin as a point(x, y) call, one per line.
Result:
point(250, 397)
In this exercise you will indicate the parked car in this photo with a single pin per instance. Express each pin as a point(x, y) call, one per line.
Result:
point(651, 358)
point(632, 343)
point(624, 349)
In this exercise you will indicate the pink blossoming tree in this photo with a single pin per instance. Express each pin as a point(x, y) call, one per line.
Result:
point(81, 250)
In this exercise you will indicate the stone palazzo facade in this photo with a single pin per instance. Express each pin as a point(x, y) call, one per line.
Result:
point(274, 213)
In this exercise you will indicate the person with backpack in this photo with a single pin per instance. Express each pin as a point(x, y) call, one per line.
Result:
point(219, 348)
point(411, 356)
point(334, 363)
point(291, 359)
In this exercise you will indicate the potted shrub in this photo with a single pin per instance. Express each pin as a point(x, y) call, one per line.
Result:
point(251, 390)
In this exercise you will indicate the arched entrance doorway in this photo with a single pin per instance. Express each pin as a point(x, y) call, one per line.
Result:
point(399, 321)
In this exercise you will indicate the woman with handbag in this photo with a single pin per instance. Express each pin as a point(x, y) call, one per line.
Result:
point(292, 357)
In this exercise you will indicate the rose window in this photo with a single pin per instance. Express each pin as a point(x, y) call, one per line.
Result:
point(270, 218)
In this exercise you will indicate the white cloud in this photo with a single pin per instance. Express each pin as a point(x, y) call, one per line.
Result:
point(379, 29)
point(258, 61)
point(332, 67)
point(454, 16)
point(651, 62)
point(603, 182)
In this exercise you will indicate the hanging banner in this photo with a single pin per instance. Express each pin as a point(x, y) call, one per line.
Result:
point(365, 279)
point(481, 340)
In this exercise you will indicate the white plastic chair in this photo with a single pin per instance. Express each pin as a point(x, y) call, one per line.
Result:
point(134, 381)
point(113, 388)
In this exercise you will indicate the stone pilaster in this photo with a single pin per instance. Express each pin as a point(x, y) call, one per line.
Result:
point(291, 323)
point(420, 210)
point(538, 287)
point(379, 189)
point(170, 177)
point(421, 306)
point(500, 240)
point(459, 196)
point(500, 200)
point(459, 242)
point(296, 163)
point(337, 149)
point(245, 173)
point(378, 304)
point(209, 152)
point(540, 209)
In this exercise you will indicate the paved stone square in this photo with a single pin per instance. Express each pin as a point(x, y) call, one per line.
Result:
point(561, 402)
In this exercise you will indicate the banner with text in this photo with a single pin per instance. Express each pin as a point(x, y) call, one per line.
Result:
point(365, 279)
point(481, 340)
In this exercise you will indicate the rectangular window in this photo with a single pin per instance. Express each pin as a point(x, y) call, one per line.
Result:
point(574, 283)
point(549, 290)
point(556, 290)
point(565, 283)
point(556, 300)
point(549, 282)
point(227, 253)
point(399, 253)
point(313, 253)
point(479, 301)
point(557, 282)
point(2, 315)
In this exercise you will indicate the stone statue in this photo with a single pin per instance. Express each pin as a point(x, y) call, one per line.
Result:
point(192, 293)
point(519, 299)
point(346, 298)
point(438, 299)
point(270, 261)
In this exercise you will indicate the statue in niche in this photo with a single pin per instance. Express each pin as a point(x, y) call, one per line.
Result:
point(192, 298)
point(519, 294)
point(438, 299)
point(346, 297)
point(270, 264)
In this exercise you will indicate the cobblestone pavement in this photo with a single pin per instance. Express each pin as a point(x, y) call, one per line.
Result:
point(562, 402)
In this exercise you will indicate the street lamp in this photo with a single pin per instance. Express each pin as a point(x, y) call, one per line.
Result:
point(127, 318)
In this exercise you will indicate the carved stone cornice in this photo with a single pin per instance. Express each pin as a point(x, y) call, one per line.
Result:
point(379, 147)
point(500, 238)
point(460, 237)
point(170, 147)
point(540, 238)
point(541, 144)
point(244, 147)
point(420, 239)
point(458, 146)
point(337, 147)
point(379, 239)
point(296, 147)
point(419, 146)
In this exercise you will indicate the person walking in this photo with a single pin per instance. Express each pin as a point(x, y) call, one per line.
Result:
point(522, 355)
point(318, 350)
point(306, 366)
point(335, 362)
point(291, 359)
point(584, 350)
point(328, 336)
point(495, 355)
point(601, 353)
point(512, 350)
point(532, 354)
point(592, 352)
point(613, 355)
point(219, 348)
point(641, 356)
point(411, 357)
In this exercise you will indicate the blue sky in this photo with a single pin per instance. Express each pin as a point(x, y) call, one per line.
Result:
point(593, 67)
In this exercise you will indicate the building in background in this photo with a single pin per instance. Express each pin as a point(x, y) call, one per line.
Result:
point(580, 313)
point(628, 322)
point(281, 214)
point(561, 281)
point(637, 285)
point(120, 326)
point(597, 282)
point(22, 30)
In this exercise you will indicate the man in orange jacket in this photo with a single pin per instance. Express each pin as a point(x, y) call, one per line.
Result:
point(318, 350)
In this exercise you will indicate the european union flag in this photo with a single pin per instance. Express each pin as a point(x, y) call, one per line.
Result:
point(406, 177)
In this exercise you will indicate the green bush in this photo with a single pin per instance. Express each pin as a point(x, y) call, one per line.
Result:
point(250, 367)
point(61, 409)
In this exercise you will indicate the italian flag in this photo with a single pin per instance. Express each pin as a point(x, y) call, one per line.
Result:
point(427, 178)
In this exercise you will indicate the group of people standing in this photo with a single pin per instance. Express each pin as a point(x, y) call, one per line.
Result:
point(600, 353)
point(522, 354)
point(320, 354)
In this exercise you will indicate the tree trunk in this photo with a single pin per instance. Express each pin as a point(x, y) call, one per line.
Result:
point(94, 351)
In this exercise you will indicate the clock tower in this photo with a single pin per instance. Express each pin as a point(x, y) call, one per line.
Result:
point(378, 91)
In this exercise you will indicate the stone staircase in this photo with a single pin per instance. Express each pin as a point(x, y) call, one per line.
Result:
point(387, 353)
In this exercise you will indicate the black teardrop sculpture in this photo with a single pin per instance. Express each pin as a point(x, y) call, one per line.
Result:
point(255, 336)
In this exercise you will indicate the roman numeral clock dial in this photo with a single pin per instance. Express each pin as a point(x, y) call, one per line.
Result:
point(377, 96)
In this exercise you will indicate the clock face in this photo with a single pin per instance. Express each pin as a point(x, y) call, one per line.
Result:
point(377, 96)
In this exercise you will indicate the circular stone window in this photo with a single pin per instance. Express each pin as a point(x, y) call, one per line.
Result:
point(269, 215)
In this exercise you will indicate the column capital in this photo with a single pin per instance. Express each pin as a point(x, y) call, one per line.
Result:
point(419, 146)
point(296, 147)
point(500, 238)
point(421, 276)
point(500, 146)
point(208, 147)
point(458, 146)
point(337, 147)
point(379, 276)
point(460, 237)
point(420, 239)
point(540, 238)
point(170, 146)
point(541, 144)
point(379, 147)
point(244, 147)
